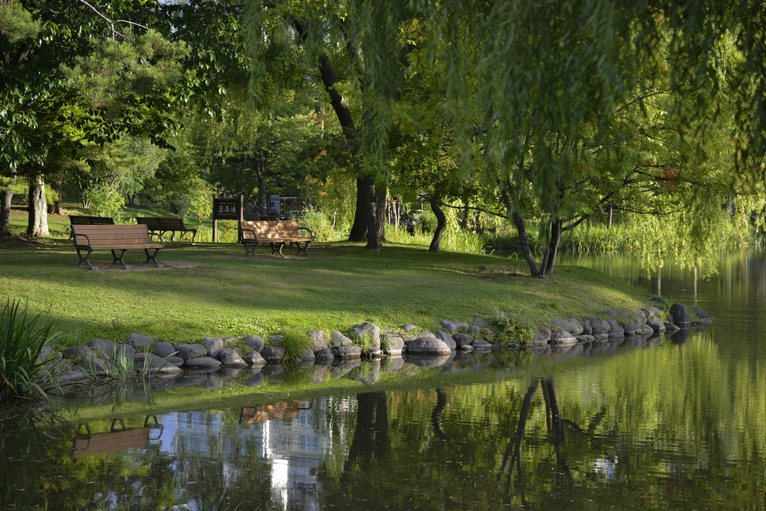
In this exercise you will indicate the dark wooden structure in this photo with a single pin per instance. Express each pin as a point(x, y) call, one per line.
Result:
point(171, 225)
point(122, 238)
point(276, 233)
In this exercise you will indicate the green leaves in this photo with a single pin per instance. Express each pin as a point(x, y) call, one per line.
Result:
point(20, 344)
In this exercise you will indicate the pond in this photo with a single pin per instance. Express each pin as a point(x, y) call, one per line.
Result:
point(636, 425)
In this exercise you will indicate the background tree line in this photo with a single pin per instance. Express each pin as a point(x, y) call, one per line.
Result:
point(544, 115)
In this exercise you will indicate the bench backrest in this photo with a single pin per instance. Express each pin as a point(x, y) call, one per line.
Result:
point(116, 441)
point(271, 229)
point(158, 223)
point(107, 236)
point(90, 220)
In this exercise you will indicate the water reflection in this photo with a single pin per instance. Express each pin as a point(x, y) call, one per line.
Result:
point(657, 422)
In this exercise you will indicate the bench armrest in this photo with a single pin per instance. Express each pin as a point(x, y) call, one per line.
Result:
point(84, 236)
point(151, 233)
point(255, 236)
point(311, 234)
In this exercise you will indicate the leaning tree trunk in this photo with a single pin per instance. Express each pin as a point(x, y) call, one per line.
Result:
point(525, 248)
point(553, 248)
point(5, 202)
point(37, 224)
point(441, 226)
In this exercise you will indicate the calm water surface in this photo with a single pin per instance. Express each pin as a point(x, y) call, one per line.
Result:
point(637, 424)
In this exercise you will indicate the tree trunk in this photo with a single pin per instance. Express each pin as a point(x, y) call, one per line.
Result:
point(371, 215)
point(441, 226)
point(58, 205)
point(525, 249)
point(37, 224)
point(359, 229)
point(609, 225)
point(260, 171)
point(5, 203)
point(553, 248)
point(381, 204)
point(371, 433)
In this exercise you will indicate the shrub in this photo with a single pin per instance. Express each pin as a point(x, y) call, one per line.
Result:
point(21, 342)
point(512, 329)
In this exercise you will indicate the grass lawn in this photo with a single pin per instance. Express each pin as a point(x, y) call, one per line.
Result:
point(214, 290)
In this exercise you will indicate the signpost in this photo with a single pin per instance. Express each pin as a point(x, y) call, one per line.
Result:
point(226, 208)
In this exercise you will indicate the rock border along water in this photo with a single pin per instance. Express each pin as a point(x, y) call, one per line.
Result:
point(338, 351)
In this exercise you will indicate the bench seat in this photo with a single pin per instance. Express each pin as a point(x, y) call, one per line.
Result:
point(276, 233)
point(88, 238)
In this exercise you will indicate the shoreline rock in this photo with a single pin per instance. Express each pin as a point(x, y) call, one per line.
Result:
point(366, 341)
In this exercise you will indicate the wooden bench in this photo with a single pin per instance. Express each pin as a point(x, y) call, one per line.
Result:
point(88, 238)
point(277, 233)
point(115, 440)
point(171, 225)
point(89, 220)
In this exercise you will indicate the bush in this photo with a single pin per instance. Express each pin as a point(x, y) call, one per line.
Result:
point(320, 226)
point(20, 345)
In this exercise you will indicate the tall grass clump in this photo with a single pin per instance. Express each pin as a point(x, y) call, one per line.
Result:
point(321, 226)
point(21, 342)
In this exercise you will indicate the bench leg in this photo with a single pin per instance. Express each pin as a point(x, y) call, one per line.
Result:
point(86, 258)
point(120, 259)
point(276, 248)
point(304, 248)
point(152, 257)
point(249, 248)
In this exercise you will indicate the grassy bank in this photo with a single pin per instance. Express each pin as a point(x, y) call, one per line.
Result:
point(214, 290)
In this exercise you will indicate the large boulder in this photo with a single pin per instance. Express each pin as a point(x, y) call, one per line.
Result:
point(392, 344)
point(203, 363)
point(255, 342)
point(346, 352)
point(338, 339)
point(273, 354)
point(428, 346)
point(254, 358)
point(655, 324)
point(140, 342)
point(453, 326)
point(79, 353)
point(213, 345)
point(562, 324)
point(104, 348)
point(615, 328)
point(190, 351)
point(164, 349)
point(462, 339)
point(319, 340)
point(447, 339)
point(366, 333)
point(125, 350)
point(230, 358)
point(562, 338)
point(680, 315)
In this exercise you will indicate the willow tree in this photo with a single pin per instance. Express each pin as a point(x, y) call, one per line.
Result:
point(547, 83)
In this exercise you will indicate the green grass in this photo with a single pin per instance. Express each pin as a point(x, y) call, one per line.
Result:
point(214, 290)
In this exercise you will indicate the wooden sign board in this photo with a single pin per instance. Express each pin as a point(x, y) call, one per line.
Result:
point(226, 208)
